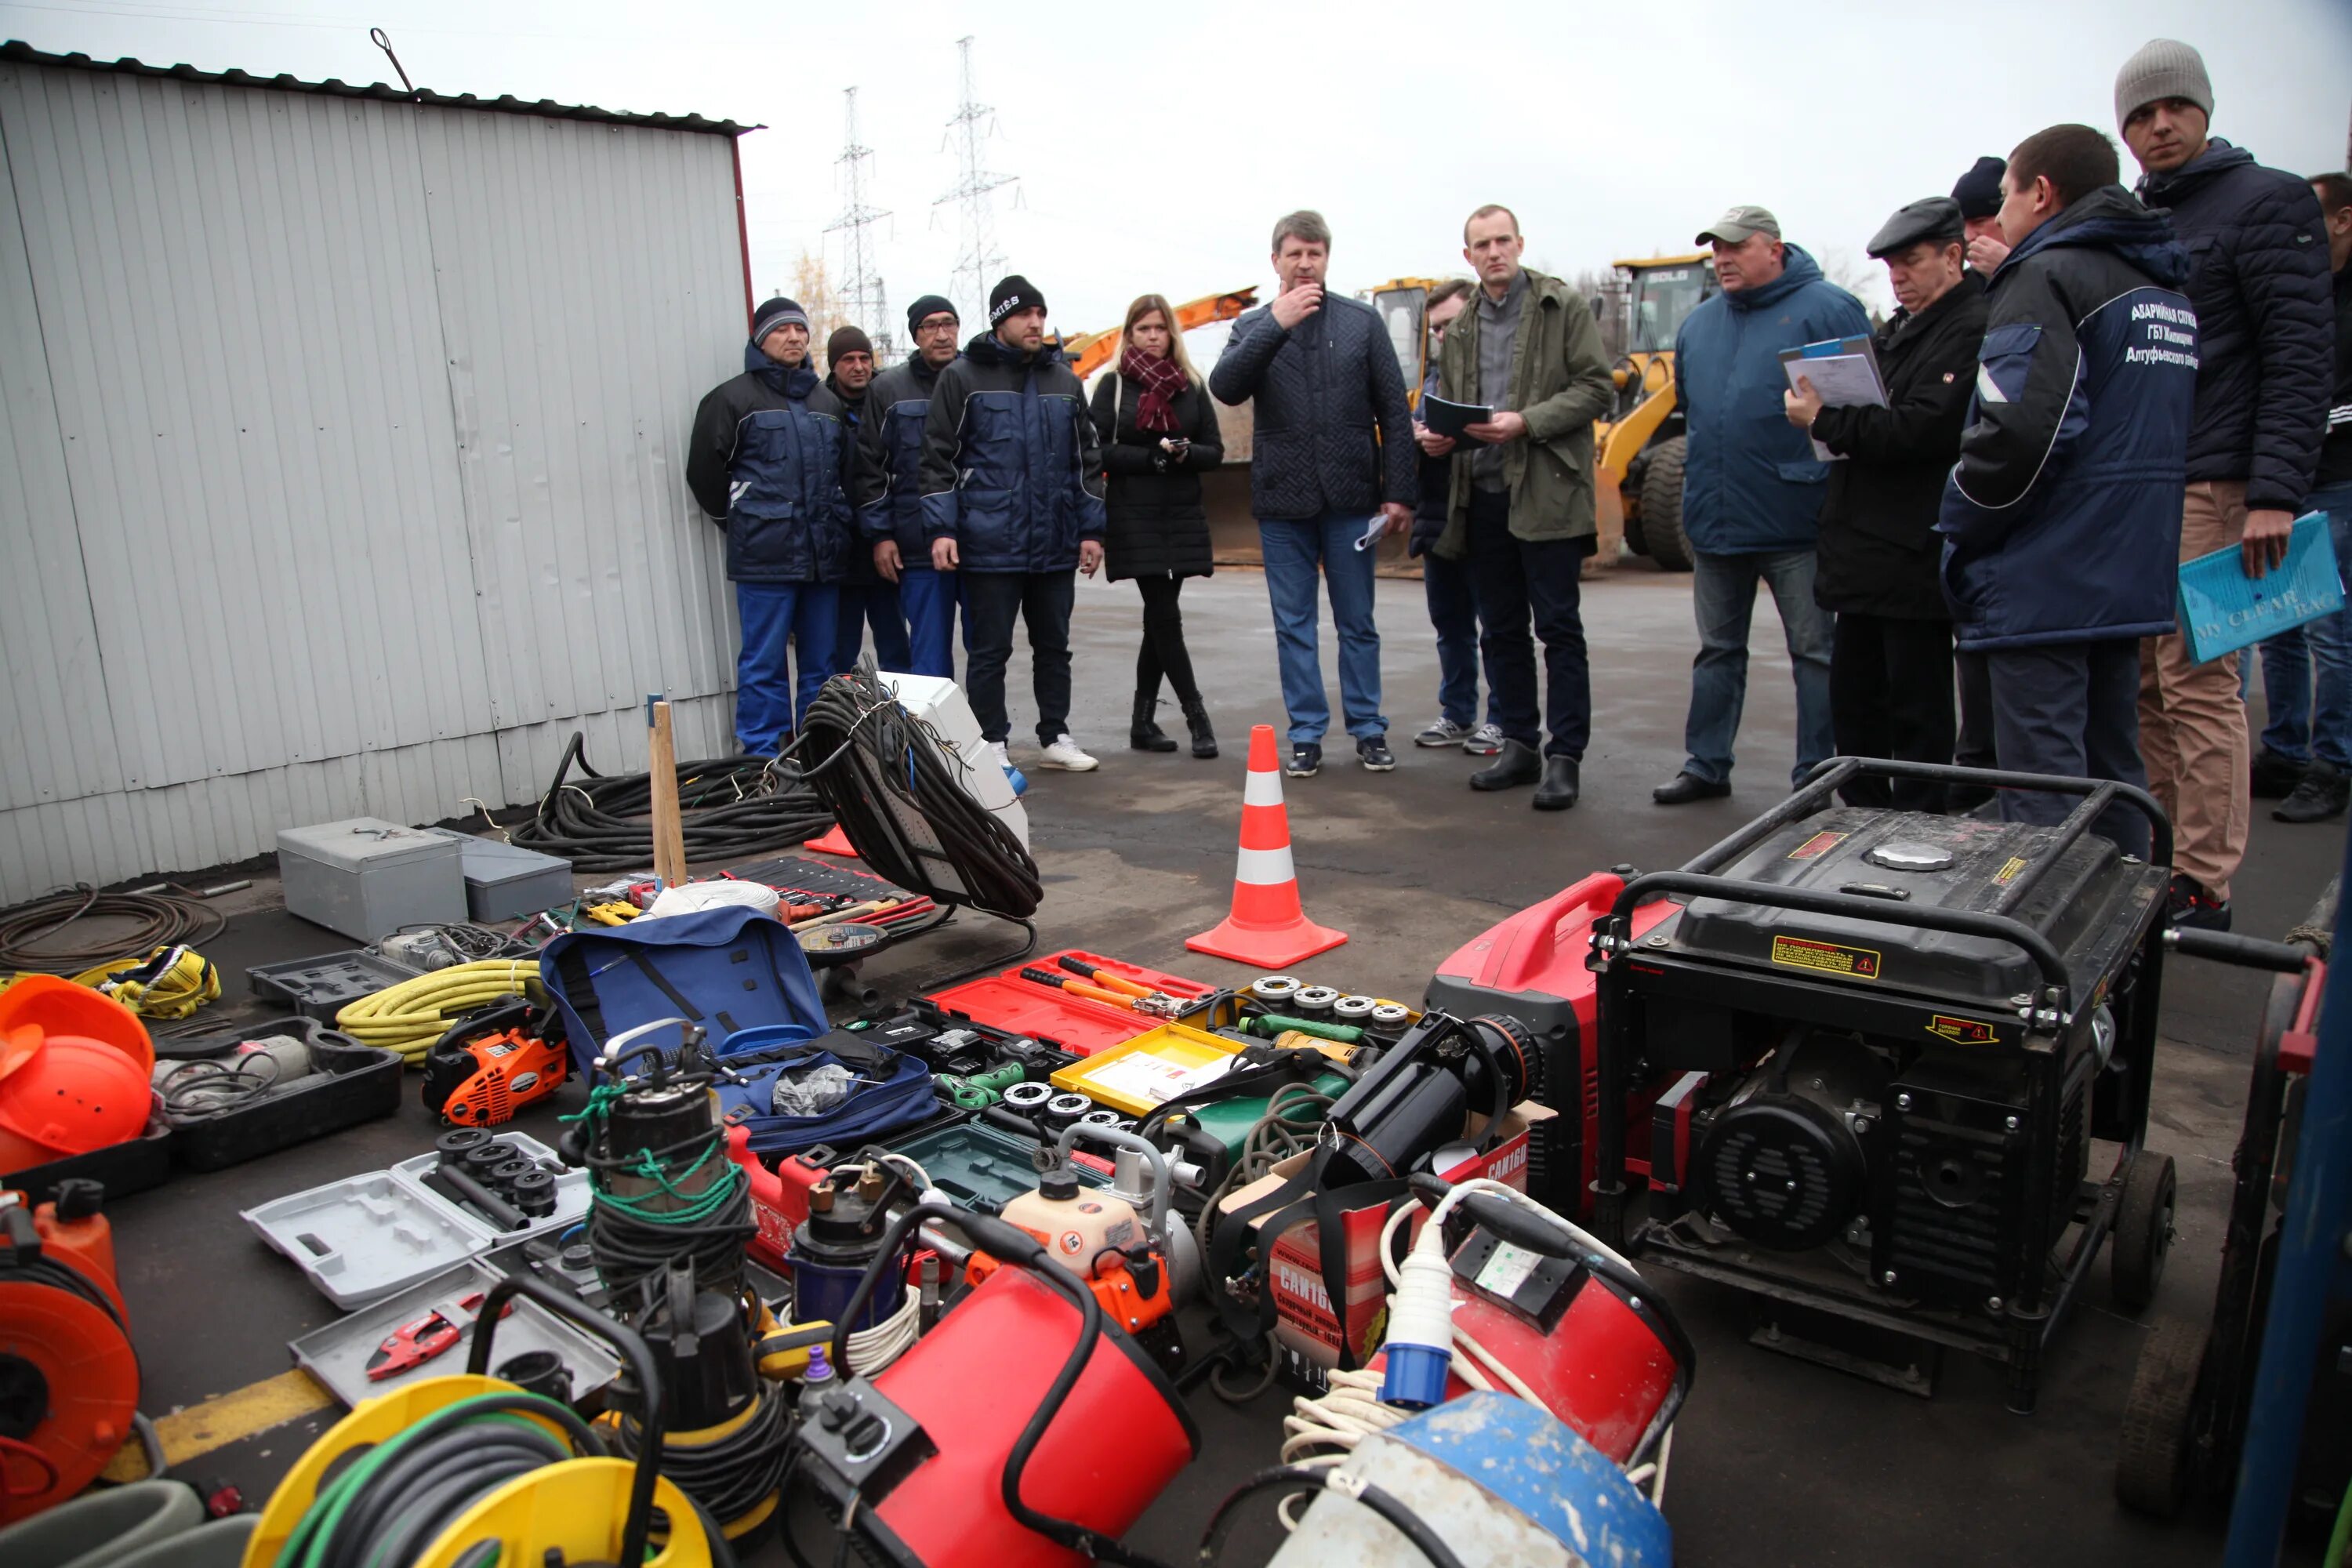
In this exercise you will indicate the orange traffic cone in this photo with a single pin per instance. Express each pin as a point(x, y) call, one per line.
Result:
point(1267, 927)
point(834, 842)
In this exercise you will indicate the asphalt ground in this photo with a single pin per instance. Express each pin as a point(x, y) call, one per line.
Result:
point(1775, 1461)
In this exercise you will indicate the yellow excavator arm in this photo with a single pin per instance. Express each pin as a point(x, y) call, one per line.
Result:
point(1089, 352)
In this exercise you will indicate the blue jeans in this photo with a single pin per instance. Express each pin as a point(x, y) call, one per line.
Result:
point(1723, 600)
point(1292, 549)
point(876, 603)
point(764, 692)
point(928, 600)
point(2307, 672)
point(1453, 612)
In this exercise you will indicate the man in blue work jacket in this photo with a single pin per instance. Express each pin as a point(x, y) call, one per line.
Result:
point(890, 488)
point(767, 460)
point(1012, 502)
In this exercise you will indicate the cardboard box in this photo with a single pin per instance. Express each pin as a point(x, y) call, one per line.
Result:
point(1306, 1321)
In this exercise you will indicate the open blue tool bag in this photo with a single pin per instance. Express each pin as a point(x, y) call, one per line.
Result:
point(887, 1089)
point(727, 969)
point(740, 975)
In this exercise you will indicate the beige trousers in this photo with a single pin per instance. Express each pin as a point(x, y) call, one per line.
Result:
point(2192, 722)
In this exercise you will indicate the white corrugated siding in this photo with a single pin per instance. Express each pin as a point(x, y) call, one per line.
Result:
point(344, 469)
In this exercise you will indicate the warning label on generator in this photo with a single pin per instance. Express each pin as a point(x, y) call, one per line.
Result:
point(1961, 1031)
point(2007, 873)
point(1829, 957)
point(1818, 845)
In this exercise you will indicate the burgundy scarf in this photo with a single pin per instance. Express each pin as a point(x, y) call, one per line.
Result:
point(1160, 380)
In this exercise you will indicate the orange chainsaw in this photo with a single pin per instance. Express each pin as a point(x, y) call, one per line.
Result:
point(493, 1062)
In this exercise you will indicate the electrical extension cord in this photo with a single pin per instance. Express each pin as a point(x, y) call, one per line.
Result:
point(410, 1016)
point(1324, 1429)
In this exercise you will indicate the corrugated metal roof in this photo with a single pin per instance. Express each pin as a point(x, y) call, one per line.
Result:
point(16, 50)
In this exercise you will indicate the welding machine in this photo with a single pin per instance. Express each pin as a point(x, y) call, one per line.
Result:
point(1892, 1038)
point(1025, 1427)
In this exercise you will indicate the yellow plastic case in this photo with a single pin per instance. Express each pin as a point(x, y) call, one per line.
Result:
point(1135, 1076)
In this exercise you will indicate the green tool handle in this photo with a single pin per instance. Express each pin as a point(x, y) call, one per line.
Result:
point(1272, 1023)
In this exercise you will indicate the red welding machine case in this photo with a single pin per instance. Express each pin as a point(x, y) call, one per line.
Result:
point(1117, 1442)
point(1531, 967)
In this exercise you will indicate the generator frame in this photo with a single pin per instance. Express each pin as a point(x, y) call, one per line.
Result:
point(2040, 1031)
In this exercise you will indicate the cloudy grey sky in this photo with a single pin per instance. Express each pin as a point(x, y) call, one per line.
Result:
point(1155, 144)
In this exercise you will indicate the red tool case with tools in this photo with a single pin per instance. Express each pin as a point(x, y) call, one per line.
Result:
point(1531, 967)
point(1057, 1019)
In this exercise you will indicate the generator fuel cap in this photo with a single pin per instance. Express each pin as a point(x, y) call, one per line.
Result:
point(1902, 856)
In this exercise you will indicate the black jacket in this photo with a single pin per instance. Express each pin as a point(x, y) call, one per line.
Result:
point(2061, 522)
point(2258, 277)
point(888, 492)
point(1878, 552)
point(1436, 479)
point(768, 459)
point(1010, 467)
point(2336, 457)
point(1158, 527)
point(1320, 390)
point(858, 571)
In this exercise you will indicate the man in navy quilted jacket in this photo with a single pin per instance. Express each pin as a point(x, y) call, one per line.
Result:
point(2061, 519)
point(1013, 503)
point(2258, 278)
point(1332, 465)
point(768, 460)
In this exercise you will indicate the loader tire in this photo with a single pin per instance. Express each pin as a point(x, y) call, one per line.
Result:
point(1661, 506)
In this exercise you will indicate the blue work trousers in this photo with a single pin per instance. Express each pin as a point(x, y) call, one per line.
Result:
point(773, 614)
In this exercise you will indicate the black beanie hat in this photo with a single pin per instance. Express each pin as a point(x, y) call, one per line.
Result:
point(1014, 293)
point(929, 305)
point(847, 340)
point(778, 311)
point(1978, 190)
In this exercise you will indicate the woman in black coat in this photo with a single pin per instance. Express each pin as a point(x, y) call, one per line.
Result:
point(1159, 432)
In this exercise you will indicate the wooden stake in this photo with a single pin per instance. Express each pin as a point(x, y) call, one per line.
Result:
point(670, 834)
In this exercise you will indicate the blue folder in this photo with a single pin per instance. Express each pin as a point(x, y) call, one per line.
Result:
point(2224, 610)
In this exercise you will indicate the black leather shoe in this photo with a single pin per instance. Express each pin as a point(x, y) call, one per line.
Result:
point(1686, 788)
point(1143, 735)
point(1518, 765)
point(2322, 794)
point(1560, 784)
point(2273, 777)
point(1204, 734)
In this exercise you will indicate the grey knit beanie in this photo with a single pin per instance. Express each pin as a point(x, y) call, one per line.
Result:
point(2164, 68)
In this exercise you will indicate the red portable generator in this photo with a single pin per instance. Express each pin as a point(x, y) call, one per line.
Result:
point(1025, 1429)
point(1532, 967)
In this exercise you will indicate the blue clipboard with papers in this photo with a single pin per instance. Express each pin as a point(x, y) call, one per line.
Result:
point(2224, 610)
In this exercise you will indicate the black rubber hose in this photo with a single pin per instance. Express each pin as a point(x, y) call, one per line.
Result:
point(28, 933)
point(731, 808)
point(731, 1477)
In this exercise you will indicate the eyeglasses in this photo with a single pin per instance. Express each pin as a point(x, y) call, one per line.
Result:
point(933, 325)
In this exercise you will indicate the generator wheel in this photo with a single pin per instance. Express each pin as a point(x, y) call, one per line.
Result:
point(2143, 1230)
point(1661, 506)
point(2153, 1466)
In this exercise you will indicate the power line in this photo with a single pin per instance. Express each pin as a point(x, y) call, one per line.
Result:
point(979, 262)
point(862, 295)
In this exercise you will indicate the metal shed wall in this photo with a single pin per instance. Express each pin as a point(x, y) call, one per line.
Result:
point(344, 468)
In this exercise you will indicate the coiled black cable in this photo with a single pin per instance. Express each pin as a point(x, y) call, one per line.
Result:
point(869, 752)
point(29, 932)
point(731, 808)
point(731, 1475)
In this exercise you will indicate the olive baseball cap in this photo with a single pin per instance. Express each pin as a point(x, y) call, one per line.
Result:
point(1736, 226)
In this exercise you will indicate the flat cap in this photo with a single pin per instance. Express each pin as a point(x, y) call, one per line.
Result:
point(1935, 219)
point(1738, 224)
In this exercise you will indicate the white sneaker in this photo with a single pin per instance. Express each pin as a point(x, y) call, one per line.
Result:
point(996, 750)
point(1063, 753)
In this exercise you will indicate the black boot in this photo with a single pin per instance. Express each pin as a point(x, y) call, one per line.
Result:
point(1517, 765)
point(1204, 739)
point(1143, 735)
point(1560, 784)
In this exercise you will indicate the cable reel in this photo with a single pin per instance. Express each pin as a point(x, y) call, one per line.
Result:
point(69, 1376)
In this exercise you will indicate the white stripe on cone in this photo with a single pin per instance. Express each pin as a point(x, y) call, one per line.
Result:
point(1265, 867)
point(1261, 789)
